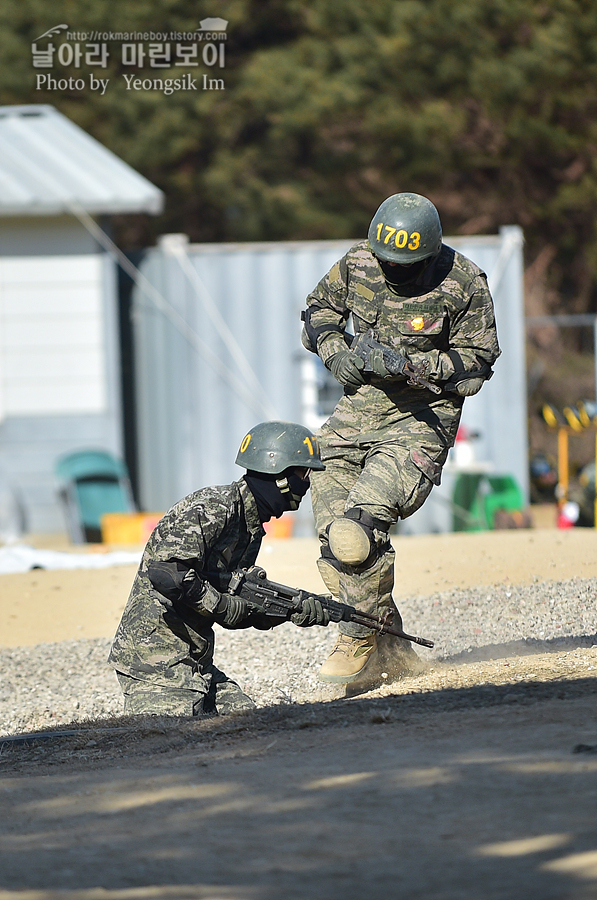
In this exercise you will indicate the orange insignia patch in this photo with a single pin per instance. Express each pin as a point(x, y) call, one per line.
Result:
point(417, 323)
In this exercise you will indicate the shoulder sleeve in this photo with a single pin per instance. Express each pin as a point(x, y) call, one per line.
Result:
point(473, 336)
point(327, 312)
point(189, 530)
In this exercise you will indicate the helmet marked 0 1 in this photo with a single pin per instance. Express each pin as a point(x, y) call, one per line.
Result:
point(272, 447)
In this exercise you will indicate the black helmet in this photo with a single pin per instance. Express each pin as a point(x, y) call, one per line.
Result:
point(405, 229)
point(272, 447)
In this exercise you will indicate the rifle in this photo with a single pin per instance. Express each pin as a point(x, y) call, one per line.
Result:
point(280, 602)
point(365, 343)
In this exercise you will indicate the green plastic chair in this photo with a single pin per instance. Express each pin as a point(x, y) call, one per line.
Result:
point(92, 482)
point(477, 497)
point(467, 510)
point(505, 494)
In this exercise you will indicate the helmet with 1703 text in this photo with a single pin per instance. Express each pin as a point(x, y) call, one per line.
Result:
point(405, 229)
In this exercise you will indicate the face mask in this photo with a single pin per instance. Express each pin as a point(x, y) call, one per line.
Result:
point(275, 495)
point(397, 275)
point(293, 488)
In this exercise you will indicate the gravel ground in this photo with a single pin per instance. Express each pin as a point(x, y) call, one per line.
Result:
point(49, 685)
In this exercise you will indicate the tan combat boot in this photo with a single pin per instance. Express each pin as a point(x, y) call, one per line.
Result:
point(348, 658)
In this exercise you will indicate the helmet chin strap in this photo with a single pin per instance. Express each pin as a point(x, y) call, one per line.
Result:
point(284, 488)
point(293, 488)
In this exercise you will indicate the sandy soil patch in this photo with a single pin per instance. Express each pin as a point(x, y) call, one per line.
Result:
point(474, 780)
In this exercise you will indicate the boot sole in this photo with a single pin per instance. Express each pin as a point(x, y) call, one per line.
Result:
point(339, 679)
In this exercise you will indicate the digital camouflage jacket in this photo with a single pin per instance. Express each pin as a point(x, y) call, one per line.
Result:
point(215, 529)
point(446, 318)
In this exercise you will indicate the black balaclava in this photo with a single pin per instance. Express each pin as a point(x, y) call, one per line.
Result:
point(276, 494)
point(399, 275)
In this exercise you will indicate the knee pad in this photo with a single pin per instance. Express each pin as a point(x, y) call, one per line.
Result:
point(330, 574)
point(352, 539)
point(349, 542)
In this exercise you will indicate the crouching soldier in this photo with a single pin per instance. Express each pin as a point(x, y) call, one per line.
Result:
point(163, 651)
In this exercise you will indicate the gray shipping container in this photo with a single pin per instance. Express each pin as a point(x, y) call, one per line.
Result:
point(217, 347)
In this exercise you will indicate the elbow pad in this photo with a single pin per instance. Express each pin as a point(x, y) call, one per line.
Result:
point(311, 333)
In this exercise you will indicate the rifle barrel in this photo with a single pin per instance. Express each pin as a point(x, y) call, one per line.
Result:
point(264, 589)
point(371, 621)
point(423, 642)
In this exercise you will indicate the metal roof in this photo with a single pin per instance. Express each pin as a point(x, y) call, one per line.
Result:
point(48, 164)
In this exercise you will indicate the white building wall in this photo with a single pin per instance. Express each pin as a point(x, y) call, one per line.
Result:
point(52, 335)
point(59, 369)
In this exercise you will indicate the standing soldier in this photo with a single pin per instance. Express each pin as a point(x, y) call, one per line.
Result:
point(163, 651)
point(386, 442)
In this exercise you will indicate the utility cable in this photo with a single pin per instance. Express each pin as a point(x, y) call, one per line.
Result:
point(261, 407)
point(175, 245)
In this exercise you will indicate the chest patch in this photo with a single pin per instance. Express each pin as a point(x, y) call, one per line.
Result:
point(417, 323)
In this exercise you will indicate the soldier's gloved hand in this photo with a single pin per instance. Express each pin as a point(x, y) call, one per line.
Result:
point(311, 613)
point(469, 387)
point(231, 611)
point(378, 367)
point(179, 584)
point(347, 368)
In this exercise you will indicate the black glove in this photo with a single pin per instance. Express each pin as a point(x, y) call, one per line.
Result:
point(469, 387)
point(176, 584)
point(232, 611)
point(347, 368)
point(311, 613)
point(466, 384)
point(377, 364)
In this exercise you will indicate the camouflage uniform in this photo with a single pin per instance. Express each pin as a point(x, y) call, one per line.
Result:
point(164, 658)
point(386, 442)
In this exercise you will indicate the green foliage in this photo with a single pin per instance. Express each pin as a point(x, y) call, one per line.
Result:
point(486, 106)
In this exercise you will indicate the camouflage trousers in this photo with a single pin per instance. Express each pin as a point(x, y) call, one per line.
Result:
point(386, 479)
point(213, 694)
